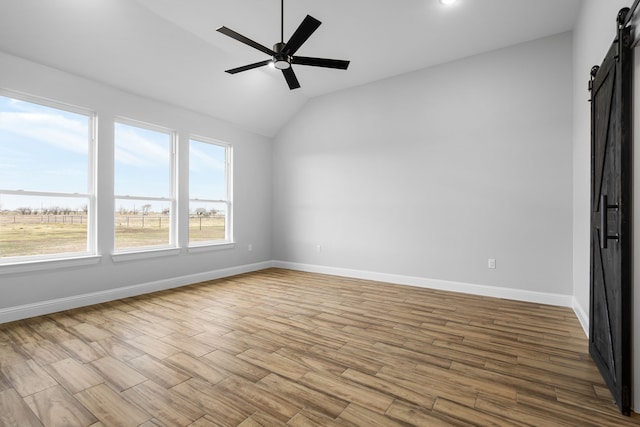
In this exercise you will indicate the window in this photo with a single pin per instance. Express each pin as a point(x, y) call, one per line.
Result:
point(46, 179)
point(143, 187)
point(209, 192)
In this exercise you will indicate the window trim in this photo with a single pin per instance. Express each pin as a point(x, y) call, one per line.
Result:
point(228, 241)
point(61, 258)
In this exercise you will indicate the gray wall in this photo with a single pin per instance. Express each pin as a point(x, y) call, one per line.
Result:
point(431, 173)
point(593, 34)
point(252, 197)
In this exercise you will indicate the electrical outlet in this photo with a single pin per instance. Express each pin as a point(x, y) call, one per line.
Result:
point(250, 247)
point(492, 263)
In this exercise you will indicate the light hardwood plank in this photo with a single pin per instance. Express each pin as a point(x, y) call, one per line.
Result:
point(28, 377)
point(274, 363)
point(415, 415)
point(73, 375)
point(10, 355)
point(196, 368)
point(346, 390)
point(153, 346)
point(110, 408)
point(389, 388)
point(221, 408)
point(167, 406)
point(117, 349)
point(89, 332)
point(305, 396)
point(259, 397)
point(235, 365)
point(472, 416)
point(81, 350)
point(117, 373)
point(15, 412)
point(57, 408)
point(360, 415)
point(187, 345)
point(157, 371)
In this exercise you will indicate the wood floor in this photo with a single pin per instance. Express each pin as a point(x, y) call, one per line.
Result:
point(279, 347)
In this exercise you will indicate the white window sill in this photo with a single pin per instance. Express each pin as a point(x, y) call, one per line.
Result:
point(144, 254)
point(48, 264)
point(209, 247)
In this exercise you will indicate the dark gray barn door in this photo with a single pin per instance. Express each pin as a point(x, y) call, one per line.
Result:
point(610, 311)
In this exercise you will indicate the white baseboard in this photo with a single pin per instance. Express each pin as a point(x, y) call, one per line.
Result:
point(582, 316)
point(52, 306)
point(46, 307)
point(444, 285)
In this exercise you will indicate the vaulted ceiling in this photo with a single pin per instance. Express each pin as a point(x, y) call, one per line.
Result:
point(168, 50)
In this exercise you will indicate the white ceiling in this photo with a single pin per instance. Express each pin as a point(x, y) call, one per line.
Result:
point(169, 50)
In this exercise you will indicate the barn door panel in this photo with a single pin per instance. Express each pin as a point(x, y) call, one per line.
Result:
point(610, 302)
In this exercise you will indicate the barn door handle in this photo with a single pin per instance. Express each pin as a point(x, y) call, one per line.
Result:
point(604, 223)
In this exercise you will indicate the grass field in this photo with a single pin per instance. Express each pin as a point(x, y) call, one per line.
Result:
point(24, 235)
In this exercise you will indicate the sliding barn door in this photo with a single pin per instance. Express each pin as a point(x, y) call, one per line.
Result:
point(611, 162)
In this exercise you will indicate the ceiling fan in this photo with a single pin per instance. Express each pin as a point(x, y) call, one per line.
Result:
point(282, 54)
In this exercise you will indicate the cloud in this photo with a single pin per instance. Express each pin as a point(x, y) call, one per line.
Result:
point(200, 160)
point(64, 130)
point(140, 147)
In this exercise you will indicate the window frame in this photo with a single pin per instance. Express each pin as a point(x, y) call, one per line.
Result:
point(90, 254)
point(228, 242)
point(150, 250)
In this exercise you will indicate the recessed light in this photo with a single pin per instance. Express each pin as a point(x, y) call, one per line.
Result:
point(447, 2)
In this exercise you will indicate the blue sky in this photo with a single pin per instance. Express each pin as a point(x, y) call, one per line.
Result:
point(46, 149)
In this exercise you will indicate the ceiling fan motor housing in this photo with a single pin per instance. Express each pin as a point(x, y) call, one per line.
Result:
point(281, 60)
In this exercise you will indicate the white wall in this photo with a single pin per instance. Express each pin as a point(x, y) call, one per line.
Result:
point(594, 32)
point(431, 173)
point(252, 198)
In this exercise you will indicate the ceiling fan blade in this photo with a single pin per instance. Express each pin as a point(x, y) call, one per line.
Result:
point(228, 32)
point(320, 62)
point(249, 67)
point(304, 31)
point(291, 78)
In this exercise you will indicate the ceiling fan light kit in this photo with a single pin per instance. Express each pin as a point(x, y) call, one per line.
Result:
point(280, 60)
point(282, 54)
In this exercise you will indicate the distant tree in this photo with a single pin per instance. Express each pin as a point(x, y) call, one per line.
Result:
point(24, 211)
point(166, 211)
point(201, 211)
point(213, 212)
point(85, 209)
point(54, 210)
point(145, 209)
